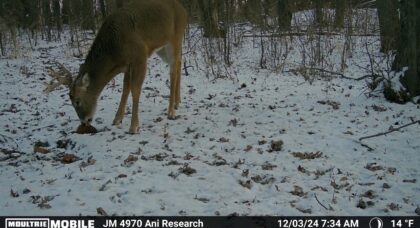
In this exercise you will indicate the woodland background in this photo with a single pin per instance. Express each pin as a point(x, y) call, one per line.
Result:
point(397, 23)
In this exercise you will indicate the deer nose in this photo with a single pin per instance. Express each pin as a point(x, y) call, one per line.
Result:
point(86, 120)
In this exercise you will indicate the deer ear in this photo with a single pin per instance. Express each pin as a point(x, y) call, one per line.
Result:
point(84, 82)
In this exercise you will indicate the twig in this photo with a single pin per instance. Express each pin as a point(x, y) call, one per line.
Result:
point(332, 72)
point(40, 128)
point(366, 146)
point(320, 203)
point(7, 138)
point(302, 33)
point(340, 74)
point(186, 68)
point(391, 130)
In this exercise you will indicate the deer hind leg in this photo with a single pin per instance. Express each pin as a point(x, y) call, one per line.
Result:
point(167, 54)
point(124, 97)
point(175, 78)
point(137, 74)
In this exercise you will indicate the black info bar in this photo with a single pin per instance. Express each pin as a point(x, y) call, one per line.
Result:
point(211, 222)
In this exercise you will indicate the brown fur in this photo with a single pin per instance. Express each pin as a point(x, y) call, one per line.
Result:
point(123, 44)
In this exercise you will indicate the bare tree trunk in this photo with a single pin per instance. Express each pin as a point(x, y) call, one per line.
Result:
point(208, 10)
point(11, 13)
point(284, 13)
point(2, 50)
point(66, 12)
point(103, 8)
point(418, 36)
point(389, 24)
point(319, 14)
point(47, 18)
point(31, 15)
point(340, 12)
point(227, 20)
point(119, 3)
point(408, 51)
point(88, 21)
point(57, 16)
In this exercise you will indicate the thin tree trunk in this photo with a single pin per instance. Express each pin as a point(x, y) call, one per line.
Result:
point(88, 21)
point(2, 50)
point(284, 14)
point(418, 36)
point(340, 11)
point(46, 14)
point(408, 52)
point(103, 8)
point(119, 3)
point(57, 16)
point(207, 19)
point(389, 24)
point(319, 14)
point(66, 11)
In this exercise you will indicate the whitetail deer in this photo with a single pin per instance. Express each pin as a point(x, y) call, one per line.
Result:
point(123, 44)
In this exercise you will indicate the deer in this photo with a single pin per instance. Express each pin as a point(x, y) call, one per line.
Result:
point(123, 44)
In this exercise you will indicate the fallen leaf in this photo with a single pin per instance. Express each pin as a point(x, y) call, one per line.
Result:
point(101, 211)
point(68, 158)
point(246, 183)
point(41, 150)
point(306, 155)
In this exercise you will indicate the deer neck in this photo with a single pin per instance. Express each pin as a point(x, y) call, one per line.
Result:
point(100, 73)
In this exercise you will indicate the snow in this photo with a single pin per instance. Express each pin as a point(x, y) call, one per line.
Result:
point(216, 157)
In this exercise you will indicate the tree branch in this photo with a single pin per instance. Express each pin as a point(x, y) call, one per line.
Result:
point(391, 130)
point(336, 73)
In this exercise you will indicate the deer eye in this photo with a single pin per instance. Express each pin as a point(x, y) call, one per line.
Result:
point(77, 103)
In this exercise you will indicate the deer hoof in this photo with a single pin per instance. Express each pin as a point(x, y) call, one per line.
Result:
point(133, 130)
point(171, 117)
point(116, 122)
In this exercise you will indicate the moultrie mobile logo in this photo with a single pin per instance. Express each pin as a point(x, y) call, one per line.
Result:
point(27, 223)
point(48, 223)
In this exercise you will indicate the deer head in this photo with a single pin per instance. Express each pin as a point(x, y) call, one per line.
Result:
point(82, 97)
point(83, 103)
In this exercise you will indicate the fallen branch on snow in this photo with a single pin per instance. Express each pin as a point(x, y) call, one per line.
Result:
point(332, 73)
point(321, 203)
point(340, 74)
point(391, 130)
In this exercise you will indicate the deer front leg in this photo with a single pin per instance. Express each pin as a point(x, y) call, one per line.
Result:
point(172, 95)
point(124, 97)
point(137, 74)
point(178, 84)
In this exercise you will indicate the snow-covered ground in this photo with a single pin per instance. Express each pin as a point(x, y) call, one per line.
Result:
point(264, 144)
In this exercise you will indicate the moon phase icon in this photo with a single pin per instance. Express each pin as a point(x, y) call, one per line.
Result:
point(376, 223)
